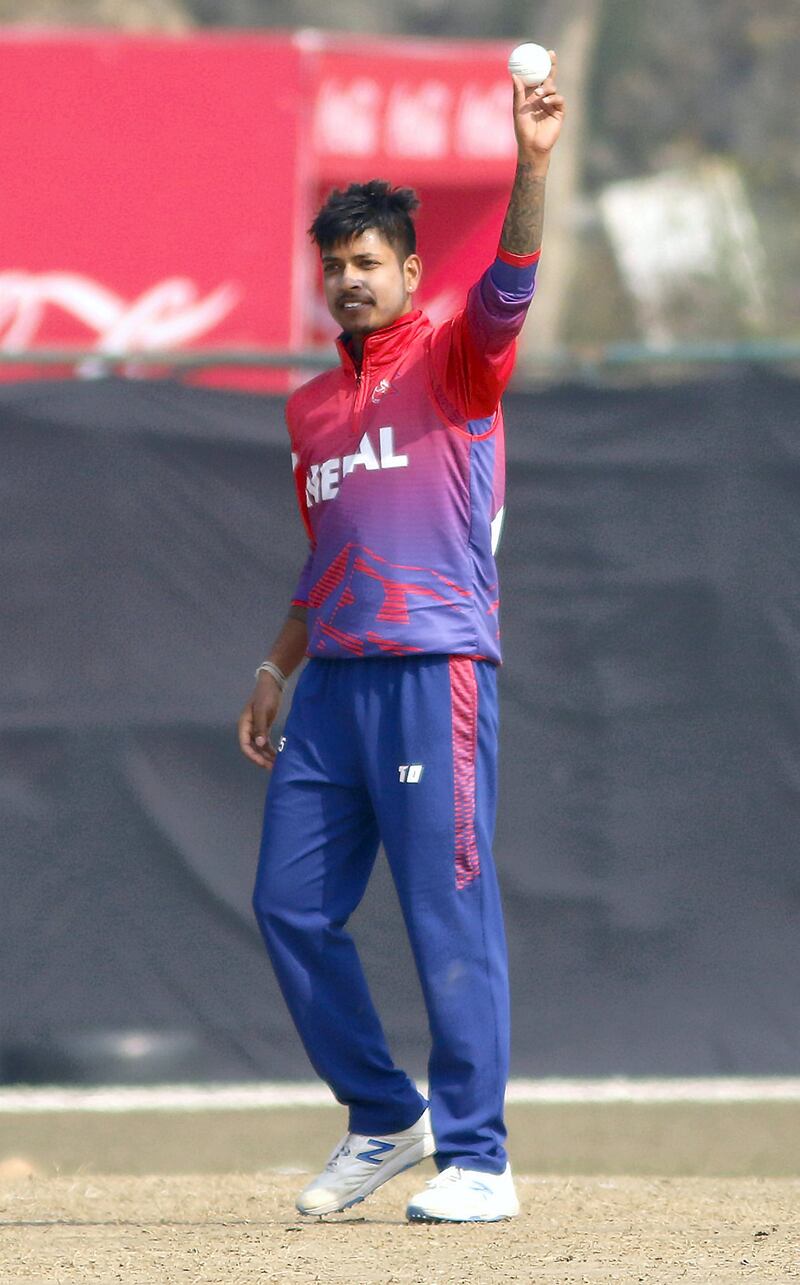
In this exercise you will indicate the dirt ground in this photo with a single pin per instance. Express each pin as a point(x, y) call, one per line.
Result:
point(241, 1229)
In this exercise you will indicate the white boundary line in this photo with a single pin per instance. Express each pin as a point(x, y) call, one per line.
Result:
point(280, 1096)
point(648, 1092)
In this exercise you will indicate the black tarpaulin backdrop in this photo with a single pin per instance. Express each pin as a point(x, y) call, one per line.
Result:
point(648, 828)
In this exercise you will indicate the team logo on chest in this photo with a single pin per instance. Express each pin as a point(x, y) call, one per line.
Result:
point(323, 480)
point(380, 390)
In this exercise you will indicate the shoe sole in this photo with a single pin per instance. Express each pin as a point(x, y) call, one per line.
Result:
point(416, 1215)
point(381, 1179)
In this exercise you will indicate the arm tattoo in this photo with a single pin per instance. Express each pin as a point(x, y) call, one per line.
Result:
point(522, 230)
point(297, 613)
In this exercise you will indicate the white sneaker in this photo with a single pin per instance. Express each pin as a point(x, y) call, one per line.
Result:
point(360, 1164)
point(465, 1196)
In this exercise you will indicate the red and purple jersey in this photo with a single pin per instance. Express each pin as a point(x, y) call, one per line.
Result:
point(400, 474)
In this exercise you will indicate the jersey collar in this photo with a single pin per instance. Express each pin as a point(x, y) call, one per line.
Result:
point(386, 346)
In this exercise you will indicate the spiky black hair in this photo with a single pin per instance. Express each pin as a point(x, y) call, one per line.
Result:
point(375, 204)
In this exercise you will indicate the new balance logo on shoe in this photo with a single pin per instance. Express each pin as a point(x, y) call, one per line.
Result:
point(360, 1164)
point(410, 773)
point(378, 1150)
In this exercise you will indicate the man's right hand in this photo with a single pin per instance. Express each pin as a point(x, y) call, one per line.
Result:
point(256, 719)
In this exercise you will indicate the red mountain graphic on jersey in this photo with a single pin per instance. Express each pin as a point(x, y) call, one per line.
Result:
point(355, 573)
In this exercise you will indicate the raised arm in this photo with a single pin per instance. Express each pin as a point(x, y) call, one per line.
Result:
point(538, 115)
point(472, 354)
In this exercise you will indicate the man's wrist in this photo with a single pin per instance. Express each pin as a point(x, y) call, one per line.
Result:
point(539, 162)
point(275, 673)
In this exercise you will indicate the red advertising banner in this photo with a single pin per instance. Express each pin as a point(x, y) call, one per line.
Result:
point(440, 111)
point(157, 190)
point(435, 115)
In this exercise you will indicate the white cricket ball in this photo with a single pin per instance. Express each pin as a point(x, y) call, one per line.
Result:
point(531, 63)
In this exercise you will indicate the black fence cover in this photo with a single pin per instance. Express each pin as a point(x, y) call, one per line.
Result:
point(648, 828)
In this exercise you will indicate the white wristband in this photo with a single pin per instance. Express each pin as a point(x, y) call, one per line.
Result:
point(267, 667)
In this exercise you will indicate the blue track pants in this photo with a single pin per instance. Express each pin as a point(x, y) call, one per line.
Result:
point(403, 751)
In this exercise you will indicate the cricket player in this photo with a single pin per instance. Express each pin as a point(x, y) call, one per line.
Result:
point(392, 734)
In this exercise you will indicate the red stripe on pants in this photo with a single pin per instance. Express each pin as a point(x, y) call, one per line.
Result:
point(464, 705)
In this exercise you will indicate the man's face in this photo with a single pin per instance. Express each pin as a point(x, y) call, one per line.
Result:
point(366, 285)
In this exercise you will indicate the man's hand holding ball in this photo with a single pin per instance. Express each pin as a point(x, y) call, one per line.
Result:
point(538, 107)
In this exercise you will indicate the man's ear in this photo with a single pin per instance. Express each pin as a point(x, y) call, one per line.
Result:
point(412, 272)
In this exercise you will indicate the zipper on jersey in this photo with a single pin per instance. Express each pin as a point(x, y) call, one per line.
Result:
point(359, 397)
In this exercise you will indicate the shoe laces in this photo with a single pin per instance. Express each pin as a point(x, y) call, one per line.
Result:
point(446, 1177)
point(341, 1153)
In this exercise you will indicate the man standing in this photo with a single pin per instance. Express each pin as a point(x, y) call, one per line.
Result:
point(392, 735)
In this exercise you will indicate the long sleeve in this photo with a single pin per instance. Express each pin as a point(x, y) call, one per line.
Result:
point(300, 595)
point(472, 354)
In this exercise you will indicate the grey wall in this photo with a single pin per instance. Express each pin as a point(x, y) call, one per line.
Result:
point(650, 724)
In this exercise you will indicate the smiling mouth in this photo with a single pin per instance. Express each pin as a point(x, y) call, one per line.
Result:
point(352, 304)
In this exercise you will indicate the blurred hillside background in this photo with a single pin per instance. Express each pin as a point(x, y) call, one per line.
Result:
point(691, 109)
